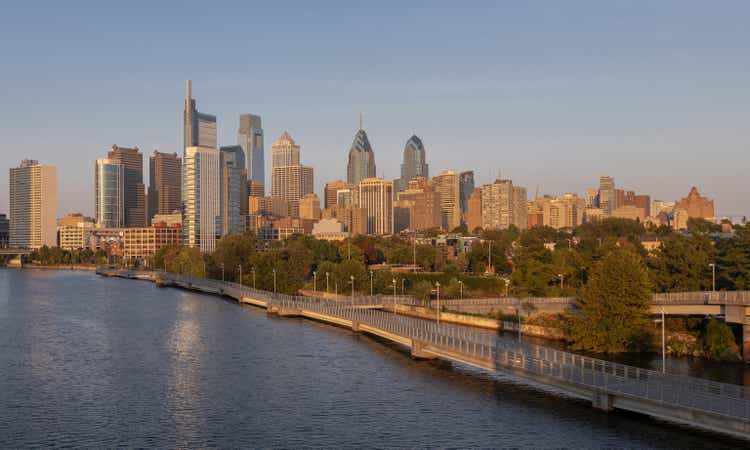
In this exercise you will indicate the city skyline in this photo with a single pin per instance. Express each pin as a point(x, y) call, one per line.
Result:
point(664, 114)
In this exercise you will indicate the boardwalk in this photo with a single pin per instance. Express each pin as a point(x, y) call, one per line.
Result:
point(696, 402)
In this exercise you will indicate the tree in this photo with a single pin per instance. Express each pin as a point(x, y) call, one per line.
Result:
point(614, 306)
point(718, 341)
point(682, 264)
point(422, 290)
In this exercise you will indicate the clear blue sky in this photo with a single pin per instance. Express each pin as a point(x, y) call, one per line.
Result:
point(550, 94)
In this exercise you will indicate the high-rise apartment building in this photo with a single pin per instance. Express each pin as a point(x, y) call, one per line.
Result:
point(415, 163)
point(331, 192)
point(503, 205)
point(201, 197)
point(309, 207)
point(200, 129)
point(474, 210)
point(255, 189)
point(561, 212)
point(376, 198)
point(165, 184)
point(33, 205)
point(465, 187)
point(448, 186)
point(233, 189)
point(418, 207)
point(250, 138)
point(361, 158)
point(109, 182)
point(290, 180)
point(135, 192)
point(607, 195)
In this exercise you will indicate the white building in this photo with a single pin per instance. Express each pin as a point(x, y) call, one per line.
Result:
point(376, 198)
point(201, 196)
point(33, 205)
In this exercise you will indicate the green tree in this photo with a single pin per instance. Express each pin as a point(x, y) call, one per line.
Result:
point(614, 306)
point(718, 341)
point(422, 290)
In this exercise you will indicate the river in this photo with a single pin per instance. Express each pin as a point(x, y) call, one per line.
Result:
point(90, 361)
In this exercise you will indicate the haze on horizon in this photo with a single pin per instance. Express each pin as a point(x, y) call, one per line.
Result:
point(550, 95)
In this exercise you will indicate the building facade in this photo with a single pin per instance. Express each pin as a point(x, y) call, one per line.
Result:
point(418, 207)
point(503, 205)
point(309, 207)
point(4, 231)
point(33, 205)
point(376, 198)
point(474, 210)
point(290, 180)
point(165, 184)
point(109, 179)
point(201, 193)
point(250, 138)
point(331, 192)
point(234, 196)
point(696, 206)
point(607, 195)
point(448, 187)
point(414, 163)
point(465, 187)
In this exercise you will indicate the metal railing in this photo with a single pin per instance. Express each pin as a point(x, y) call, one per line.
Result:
point(490, 351)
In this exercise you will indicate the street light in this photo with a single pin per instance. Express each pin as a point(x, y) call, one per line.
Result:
point(371, 283)
point(315, 281)
point(351, 278)
point(461, 289)
point(394, 296)
point(222, 271)
point(561, 277)
point(253, 277)
point(437, 292)
point(713, 276)
point(507, 287)
point(403, 280)
point(240, 274)
point(327, 283)
point(518, 313)
point(663, 344)
point(274, 281)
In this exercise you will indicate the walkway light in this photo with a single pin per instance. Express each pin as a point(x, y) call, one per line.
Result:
point(437, 291)
point(713, 276)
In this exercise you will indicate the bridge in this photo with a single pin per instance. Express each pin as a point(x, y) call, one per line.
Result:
point(16, 251)
point(719, 407)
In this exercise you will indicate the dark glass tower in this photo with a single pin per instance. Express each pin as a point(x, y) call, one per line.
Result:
point(361, 158)
point(414, 164)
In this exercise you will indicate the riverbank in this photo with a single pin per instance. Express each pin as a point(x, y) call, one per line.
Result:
point(83, 267)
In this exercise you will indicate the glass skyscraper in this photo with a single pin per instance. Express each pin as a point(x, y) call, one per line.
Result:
point(250, 138)
point(361, 158)
point(415, 164)
point(200, 128)
point(109, 177)
point(234, 200)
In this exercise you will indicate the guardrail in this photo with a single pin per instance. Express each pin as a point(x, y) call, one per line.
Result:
point(591, 373)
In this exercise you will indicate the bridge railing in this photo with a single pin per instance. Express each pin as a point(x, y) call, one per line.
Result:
point(707, 297)
point(469, 346)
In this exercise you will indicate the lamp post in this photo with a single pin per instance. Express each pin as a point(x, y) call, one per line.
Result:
point(713, 276)
point(507, 287)
point(327, 283)
point(315, 281)
point(394, 296)
point(489, 259)
point(351, 280)
point(461, 289)
point(205, 273)
point(663, 344)
point(336, 287)
point(437, 293)
point(240, 274)
point(254, 277)
point(518, 313)
point(414, 253)
point(561, 277)
point(222, 271)
point(371, 283)
point(274, 280)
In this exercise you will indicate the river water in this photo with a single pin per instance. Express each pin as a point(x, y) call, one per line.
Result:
point(100, 362)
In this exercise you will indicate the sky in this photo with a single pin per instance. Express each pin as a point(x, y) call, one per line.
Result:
point(549, 94)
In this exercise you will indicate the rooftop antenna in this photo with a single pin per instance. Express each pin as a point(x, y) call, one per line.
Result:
point(360, 120)
point(188, 89)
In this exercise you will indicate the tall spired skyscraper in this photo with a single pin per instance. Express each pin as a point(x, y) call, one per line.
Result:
point(250, 138)
point(361, 158)
point(414, 164)
point(200, 129)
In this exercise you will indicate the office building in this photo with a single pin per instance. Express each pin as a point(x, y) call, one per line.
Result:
point(696, 206)
point(329, 230)
point(234, 205)
point(309, 207)
point(376, 198)
point(465, 187)
point(414, 163)
point(255, 189)
point(331, 192)
point(200, 129)
point(165, 184)
point(201, 196)
point(109, 179)
point(607, 195)
point(448, 187)
point(503, 205)
point(562, 212)
point(73, 219)
point(134, 195)
point(250, 138)
point(474, 210)
point(142, 242)
point(418, 207)
point(353, 218)
point(33, 205)
point(361, 158)
point(290, 180)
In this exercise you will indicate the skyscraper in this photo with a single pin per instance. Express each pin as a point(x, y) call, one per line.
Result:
point(200, 129)
point(447, 185)
point(290, 180)
point(466, 187)
point(376, 198)
point(109, 179)
point(607, 195)
point(134, 194)
point(250, 138)
point(233, 189)
point(414, 164)
point(33, 205)
point(201, 197)
point(331, 192)
point(165, 184)
point(361, 158)
point(503, 205)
